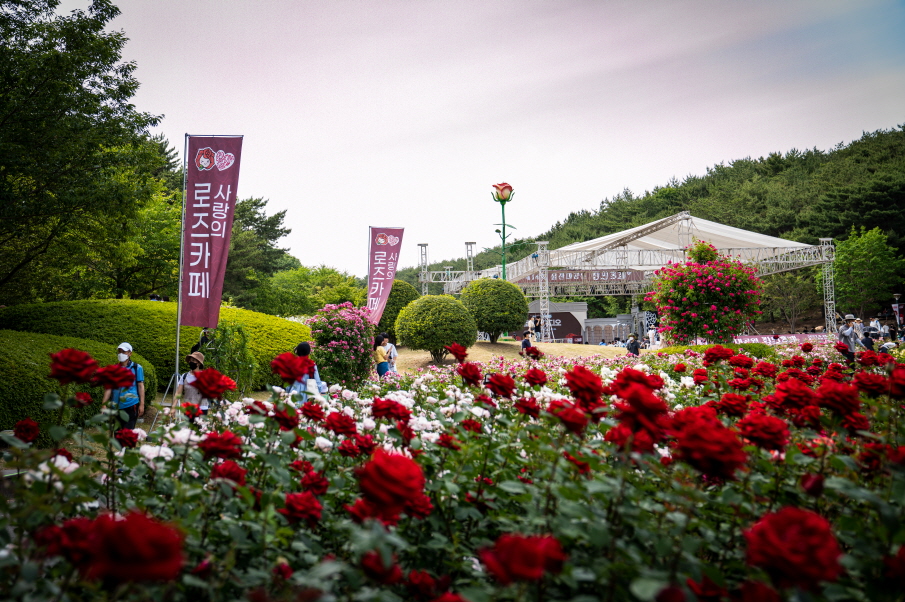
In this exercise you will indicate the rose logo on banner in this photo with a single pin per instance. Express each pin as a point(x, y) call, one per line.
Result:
point(224, 160)
point(386, 239)
point(204, 160)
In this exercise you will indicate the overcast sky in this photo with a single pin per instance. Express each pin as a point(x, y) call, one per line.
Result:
point(404, 113)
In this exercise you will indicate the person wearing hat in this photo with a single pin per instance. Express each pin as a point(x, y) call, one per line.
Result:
point(849, 336)
point(185, 391)
point(301, 386)
point(129, 400)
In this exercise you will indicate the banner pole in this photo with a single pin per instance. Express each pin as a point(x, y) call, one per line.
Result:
point(185, 172)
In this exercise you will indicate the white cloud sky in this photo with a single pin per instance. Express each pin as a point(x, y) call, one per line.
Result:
point(404, 113)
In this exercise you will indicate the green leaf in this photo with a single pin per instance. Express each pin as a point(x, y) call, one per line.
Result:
point(647, 588)
point(52, 402)
point(515, 487)
point(58, 432)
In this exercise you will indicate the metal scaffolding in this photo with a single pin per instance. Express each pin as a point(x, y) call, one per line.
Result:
point(424, 277)
point(542, 256)
point(829, 285)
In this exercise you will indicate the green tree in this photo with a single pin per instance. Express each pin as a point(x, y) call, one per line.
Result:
point(496, 305)
point(72, 146)
point(303, 290)
point(434, 321)
point(866, 271)
point(790, 294)
point(401, 295)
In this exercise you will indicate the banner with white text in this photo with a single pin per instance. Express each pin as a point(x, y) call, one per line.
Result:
point(383, 257)
point(212, 177)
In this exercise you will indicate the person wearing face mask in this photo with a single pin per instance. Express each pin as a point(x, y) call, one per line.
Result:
point(131, 399)
point(185, 391)
point(632, 346)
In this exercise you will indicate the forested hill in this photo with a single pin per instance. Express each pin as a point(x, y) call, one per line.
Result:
point(799, 195)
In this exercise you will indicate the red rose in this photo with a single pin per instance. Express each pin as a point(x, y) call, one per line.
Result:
point(470, 373)
point(795, 547)
point(423, 586)
point(458, 351)
point(517, 557)
point(72, 366)
point(63, 453)
point(26, 430)
point(287, 418)
point(224, 445)
point(794, 394)
point(212, 384)
point(711, 448)
point(535, 377)
point(807, 347)
point(897, 383)
point(302, 507)
point(872, 385)
point(348, 449)
point(841, 399)
point(302, 466)
point(191, 410)
point(71, 541)
point(642, 410)
point(374, 566)
point(534, 352)
point(312, 411)
point(741, 361)
point(841, 347)
point(812, 484)
point(503, 192)
point(282, 571)
point(706, 590)
point(363, 510)
point(700, 376)
point(315, 482)
point(291, 367)
point(621, 435)
point(868, 358)
point(484, 400)
point(717, 353)
point(732, 404)
point(573, 418)
point(767, 432)
point(502, 385)
point(390, 480)
point(126, 437)
point(419, 507)
point(449, 442)
point(387, 408)
point(680, 368)
point(82, 400)
point(585, 386)
point(134, 548)
point(449, 597)
point(341, 424)
point(365, 443)
point(229, 470)
point(528, 406)
point(113, 376)
point(472, 425)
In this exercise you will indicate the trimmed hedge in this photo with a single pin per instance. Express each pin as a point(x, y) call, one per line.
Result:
point(759, 350)
point(433, 321)
point(401, 295)
point(150, 327)
point(24, 366)
point(497, 306)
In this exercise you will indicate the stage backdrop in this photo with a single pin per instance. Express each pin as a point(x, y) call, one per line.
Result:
point(212, 177)
point(383, 257)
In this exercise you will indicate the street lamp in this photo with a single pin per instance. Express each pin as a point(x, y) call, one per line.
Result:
point(502, 195)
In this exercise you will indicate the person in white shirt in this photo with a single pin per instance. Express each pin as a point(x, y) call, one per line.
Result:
point(185, 391)
point(391, 352)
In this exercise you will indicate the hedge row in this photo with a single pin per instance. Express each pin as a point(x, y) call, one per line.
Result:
point(759, 350)
point(24, 366)
point(150, 326)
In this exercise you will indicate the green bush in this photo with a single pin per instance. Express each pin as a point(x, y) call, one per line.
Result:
point(150, 327)
point(24, 366)
point(401, 295)
point(760, 350)
point(496, 305)
point(434, 321)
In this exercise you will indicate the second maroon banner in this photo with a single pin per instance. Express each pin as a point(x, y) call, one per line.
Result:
point(212, 177)
point(383, 257)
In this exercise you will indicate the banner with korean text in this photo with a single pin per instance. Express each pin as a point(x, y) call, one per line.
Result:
point(383, 257)
point(212, 177)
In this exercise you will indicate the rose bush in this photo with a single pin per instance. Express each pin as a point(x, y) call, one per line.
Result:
point(588, 479)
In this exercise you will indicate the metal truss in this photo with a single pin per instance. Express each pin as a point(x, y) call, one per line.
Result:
point(543, 260)
point(640, 233)
point(829, 285)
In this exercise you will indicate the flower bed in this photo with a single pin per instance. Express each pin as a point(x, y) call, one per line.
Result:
point(708, 476)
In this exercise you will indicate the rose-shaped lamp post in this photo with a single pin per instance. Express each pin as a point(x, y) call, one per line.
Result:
point(503, 195)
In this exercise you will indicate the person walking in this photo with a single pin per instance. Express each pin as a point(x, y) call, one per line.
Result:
point(185, 390)
point(848, 336)
point(131, 399)
point(859, 327)
point(301, 386)
point(632, 345)
point(380, 356)
point(392, 354)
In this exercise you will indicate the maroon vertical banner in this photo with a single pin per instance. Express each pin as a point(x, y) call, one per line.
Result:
point(212, 177)
point(383, 257)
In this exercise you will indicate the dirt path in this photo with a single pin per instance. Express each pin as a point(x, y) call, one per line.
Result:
point(409, 360)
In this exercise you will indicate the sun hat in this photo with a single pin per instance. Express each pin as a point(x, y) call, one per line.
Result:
point(197, 356)
point(849, 317)
point(125, 347)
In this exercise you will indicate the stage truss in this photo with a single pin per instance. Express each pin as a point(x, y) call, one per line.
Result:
point(537, 274)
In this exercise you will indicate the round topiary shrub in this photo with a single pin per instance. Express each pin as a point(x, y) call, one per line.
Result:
point(497, 306)
point(434, 321)
point(343, 339)
point(24, 370)
point(150, 327)
point(401, 295)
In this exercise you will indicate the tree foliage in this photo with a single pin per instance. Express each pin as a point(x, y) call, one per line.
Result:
point(434, 321)
point(496, 305)
point(401, 295)
point(791, 294)
point(867, 269)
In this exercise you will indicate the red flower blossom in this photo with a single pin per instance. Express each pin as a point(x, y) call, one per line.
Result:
point(536, 377)
point(449, 442)
point(716, 353)
point(419, 507)
point(485, 401)
point(680, 368)
point(387, 408)
point(470, 373)
point(291, 367)
point(868, 358)
point(301, 466)
point(732, 404)
point(528, 406)
point(812, 484)
point(302, 507)
point(872, 385)
point(582, 466)
point(72, 366)
point(422, 586)
point(794, 394)
point(365, 443)
point(113, 376)
point(212, 384)
point(386, 573)
point(71, 540)
point(642, 410)
point(515, 557)
point(362, 510)
point(573, 419)
point(287, 418)
point(872, 456)
point(472, 425)
point(26, 430)
point(126, 437)
point(390, 480)
point(841, 399)
point(711, 448)
point(349, 449)
point(706, 590)
point(134, 548)
point(841, 348)
point(191, 410)
point(534, 352)
point(795, 547)
point(315, 482)
point(82, 400)
point(457, 351)
point(312, 411)
point(807, 347)
point(282, 571)
point(341, 424)
point(620, 435)
point(741, 361)
point(767, 432)
point(897, 383)
point(585, 386)
point(700, 376)
point(63, 453)
point(501, 384)
point(224, 445)
point(229, 470)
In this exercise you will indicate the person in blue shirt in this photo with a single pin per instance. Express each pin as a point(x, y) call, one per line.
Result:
point(301, 386)
point(130, 400)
